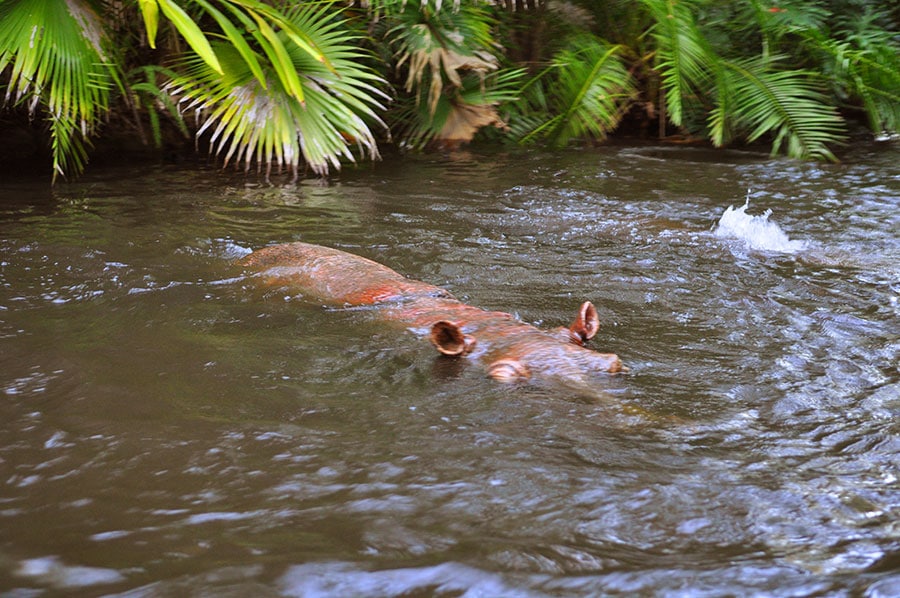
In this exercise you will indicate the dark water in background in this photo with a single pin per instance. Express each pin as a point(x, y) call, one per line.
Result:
point(170, 429)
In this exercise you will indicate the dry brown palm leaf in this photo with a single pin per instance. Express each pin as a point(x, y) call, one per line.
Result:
point(464, 120)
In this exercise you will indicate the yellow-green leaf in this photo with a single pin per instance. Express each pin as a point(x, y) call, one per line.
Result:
point(191, 32)
point(297, 36)
point(150, 11)
point(281, 60)
point(240, 44)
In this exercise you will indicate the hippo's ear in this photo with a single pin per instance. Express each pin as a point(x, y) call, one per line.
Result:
point(449, 338)
point(587, 323)
point(508, 370)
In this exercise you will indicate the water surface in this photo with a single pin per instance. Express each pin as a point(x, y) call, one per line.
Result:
point(170, 428)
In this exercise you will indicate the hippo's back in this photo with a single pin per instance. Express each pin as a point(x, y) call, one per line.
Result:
point(332, 276)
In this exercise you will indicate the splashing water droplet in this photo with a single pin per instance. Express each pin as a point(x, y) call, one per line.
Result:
point(757, 232)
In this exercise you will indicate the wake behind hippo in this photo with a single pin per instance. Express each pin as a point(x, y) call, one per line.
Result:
point(507, 348)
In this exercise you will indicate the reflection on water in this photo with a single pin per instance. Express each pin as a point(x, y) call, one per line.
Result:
point(169, 428)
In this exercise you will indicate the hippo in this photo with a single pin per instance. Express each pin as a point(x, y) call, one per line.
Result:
point(508, 349)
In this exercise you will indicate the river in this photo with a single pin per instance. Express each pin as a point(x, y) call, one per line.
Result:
point(171, 428)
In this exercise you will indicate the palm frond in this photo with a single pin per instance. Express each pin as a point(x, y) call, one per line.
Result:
point(457, 118)
point(440, 47)
point(277, 123)
point(186, 26)
point(789, 105)
point(774, 22)
point(269, 28)
point(683, 55)
point(445, 55)
point(585, 93)
point(58, 64)
point(146, 94)
point(595, 89)
point(864, 65)
point(721, 119)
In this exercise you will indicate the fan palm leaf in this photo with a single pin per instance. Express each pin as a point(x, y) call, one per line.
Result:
point(280, 121)
point(270, 29)
point(458, 117)
point(59, 63)
point(445, 54)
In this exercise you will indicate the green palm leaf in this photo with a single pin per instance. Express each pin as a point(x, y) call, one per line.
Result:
point(789, 105)
point(594, 88)
point(310, 117)
point(236, 38)
point(588, 91)
point(59, 64)
point(870, 72)
point(269, 28)
point(189, 29)
point(684, 58)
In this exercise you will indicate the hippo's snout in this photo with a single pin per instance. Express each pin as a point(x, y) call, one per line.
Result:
point(508, 370)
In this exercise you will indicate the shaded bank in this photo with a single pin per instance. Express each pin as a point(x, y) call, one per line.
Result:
point(315, 85)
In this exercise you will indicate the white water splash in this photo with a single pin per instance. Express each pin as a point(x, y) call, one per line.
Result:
point(757, 232)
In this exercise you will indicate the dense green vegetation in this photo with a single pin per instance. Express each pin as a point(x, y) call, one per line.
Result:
point(313, 84)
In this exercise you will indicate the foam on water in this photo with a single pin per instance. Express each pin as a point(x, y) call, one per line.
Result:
point(345, 579)
point(756, 232)
point(52, 571)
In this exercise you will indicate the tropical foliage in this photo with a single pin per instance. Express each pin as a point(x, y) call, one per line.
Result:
point(317, 83)
point(749, 97)
point(56, 60)
point(583, 93)
point(444, 58)
point(305, 95)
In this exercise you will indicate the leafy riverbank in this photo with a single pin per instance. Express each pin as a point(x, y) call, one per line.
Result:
point(310, 85)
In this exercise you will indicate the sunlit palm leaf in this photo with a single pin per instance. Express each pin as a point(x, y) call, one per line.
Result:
point(58, 63)
point(285, 23)
point(271, 125)
point(269, 28)
point(190, 30)
point(236, 38)
point(150, 14)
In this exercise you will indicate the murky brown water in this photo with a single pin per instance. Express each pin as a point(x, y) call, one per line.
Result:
point(169, 429)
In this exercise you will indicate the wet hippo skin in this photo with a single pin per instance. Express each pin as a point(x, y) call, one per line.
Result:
point(508, 349)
